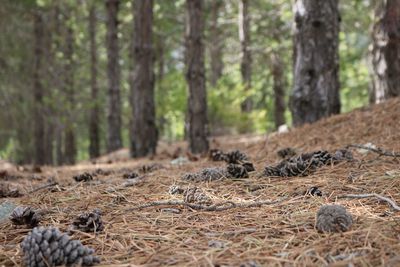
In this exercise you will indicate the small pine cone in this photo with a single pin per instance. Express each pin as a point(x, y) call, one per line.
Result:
point(49, 247)
point(197, 196)
point(85, 177)
point(286, 152)
point(130, 175)
point(341, 155)
point(272, 171)
point(248, 166)
point(7, 191)
point(147, 168)
point(192, 177)
point(211, 174)
point(25, 215)
point(237, 171)
point(217, 155)
point(176, 190)
point(236, 157)
point(333, 219)
point(90, 222)
point(314, 191)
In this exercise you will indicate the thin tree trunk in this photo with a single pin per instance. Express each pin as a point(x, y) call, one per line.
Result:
point(144, 131)
point(39, 130)
point(216, 44)
point(195, 76)
point(70, 142)
point(94, 131)
point(244, 37)
point(316, 65)
point(386, 51)
point(278, 77)
point(114, 140)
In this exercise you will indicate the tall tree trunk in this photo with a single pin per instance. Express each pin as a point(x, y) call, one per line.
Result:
point(386, 51)
point(144, 131)
point(39, 129)
point(70, 142)
point(195, 76)
point(94, 131)
point(114, 140)
point(244, 37)
point(316, 64)
point(278, 77)
point(216, 44)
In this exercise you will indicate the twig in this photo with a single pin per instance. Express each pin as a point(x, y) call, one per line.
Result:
point(43, 187)
point(215, 207)
point(386, 199)
point(379, 151)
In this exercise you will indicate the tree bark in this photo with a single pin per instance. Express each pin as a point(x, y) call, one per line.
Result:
point(278, 77)
point(195, 76)
point(244, 37)
point(316, 64)
point(386, 51)
point(144, 131)
point(39, 129)
point(94, 131)
point(114, 140)
point(216, 44)
point(70, 142)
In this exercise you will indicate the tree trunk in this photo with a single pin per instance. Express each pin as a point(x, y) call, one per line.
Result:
point(278, 77)
point(94, 131)
point(114, 140)
point(195, 76)
point(386, 51)
point(144, 131)
point(70, 142)
point(216, 44)
point(316, 64)
point(244, 37)
point(39, 129)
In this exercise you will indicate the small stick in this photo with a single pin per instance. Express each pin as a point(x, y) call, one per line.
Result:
point(216, 207)
point(379, 151)
point(43, 187)
point(386, 199)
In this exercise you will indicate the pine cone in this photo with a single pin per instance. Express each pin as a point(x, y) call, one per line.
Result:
point(286, 152)
point(342, 154)
point(196, 195)
point(130, 175)
point(85, 177)
point(237, 171)
point(333, 219)
point(248, 166)
point(314, 191)
point(147, 168)
point(217, 155)
point(7, 191)
point(192, 177)
point(25, 215)
point(236, 157)
point(211, 174)
point(176, 190)
point(49, 247)
point(89, 222)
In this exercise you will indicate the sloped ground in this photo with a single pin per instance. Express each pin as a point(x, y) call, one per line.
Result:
point(280, 234)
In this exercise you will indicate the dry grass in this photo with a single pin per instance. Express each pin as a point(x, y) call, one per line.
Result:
point(279, 234)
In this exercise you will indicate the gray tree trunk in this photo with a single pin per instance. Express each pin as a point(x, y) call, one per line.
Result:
point(195, 76)
point(70, 142)
point(386, 51)
point(278, 77)
point(114, 140)
point(94, 130)
point(216, 43)
point(39, 129)
point(316, 63)
point(144, 131)
point(244, 37)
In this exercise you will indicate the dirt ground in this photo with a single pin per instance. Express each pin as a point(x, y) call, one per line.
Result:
point(277, 234)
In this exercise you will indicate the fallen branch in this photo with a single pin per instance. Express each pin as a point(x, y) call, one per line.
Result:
point(377, 150)
point(215, 207)
point(386, 199)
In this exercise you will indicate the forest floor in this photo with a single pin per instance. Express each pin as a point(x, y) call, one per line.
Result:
point(280, 233)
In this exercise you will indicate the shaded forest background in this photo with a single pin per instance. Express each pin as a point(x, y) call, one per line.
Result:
point(70, 29)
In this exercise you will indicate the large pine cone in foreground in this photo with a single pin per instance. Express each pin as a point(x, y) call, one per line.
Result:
point(49, 247)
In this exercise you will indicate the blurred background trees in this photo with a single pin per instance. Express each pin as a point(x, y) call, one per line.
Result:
point(67, 70)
